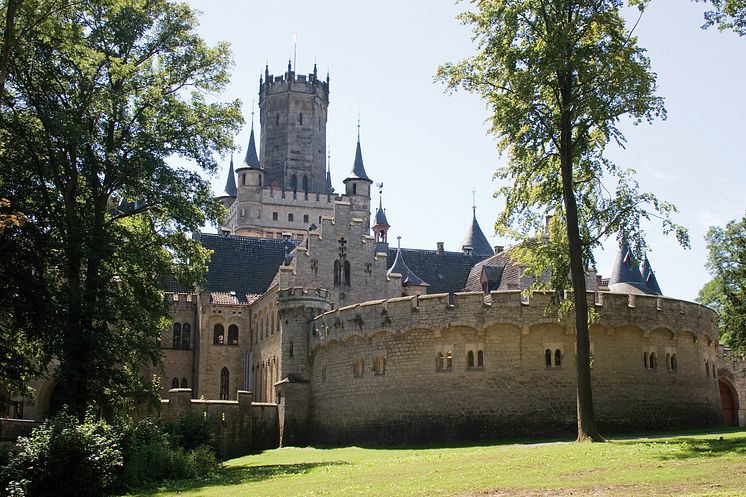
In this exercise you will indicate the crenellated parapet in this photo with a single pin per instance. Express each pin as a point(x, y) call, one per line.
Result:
point(473, 310)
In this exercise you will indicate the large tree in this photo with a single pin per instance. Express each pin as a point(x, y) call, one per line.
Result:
point(558, 75)
point(727, 15)
point(726, 292)
point(98, 107)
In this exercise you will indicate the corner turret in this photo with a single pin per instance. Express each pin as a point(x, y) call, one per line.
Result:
point(475, 243)
point(381, 225)
point(625, 276)
point(230, 193)
point(413, 284)
point(357, 187)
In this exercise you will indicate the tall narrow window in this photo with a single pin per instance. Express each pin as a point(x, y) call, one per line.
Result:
point(674, 363)
point(470, 359)
point(305, 184)
point(449, 360)
point(439, 365)
point(277, 119)
point(224, 383)
point(294, 183)
point(233, 335)
point(645, 359)
point(177, 336)
point(175, 383)
point(557, 358)
point(653, 361)
point(354, 188)
point(379, 366)
point(184, 383)
point(347, 273)
point(186, 336)
point(336, 273)
point(480, 358)
point(300, 119)
point(548, 358)
point(218, 335)
point(290, 348)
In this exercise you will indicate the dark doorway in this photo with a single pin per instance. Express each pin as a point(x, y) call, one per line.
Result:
point(728, 402)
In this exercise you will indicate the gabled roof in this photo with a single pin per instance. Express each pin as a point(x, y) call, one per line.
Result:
point(625, 275)
point(358, 170)
point(446, 272)
point(230, 184)
point(503, 274)
point(648, 276)
point(241, 264)
point(475, 239)
point(251, 160)
point(408, 277)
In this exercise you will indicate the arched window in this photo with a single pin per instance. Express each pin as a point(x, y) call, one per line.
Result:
point(186, 336)
point(354, 188)
point(653, 361)
point(336, 273)
point(233, 335)
point(183, 383)
point(668, 361)
point(713, 370)
point(707, 368)
point(175, 383)
point(439, 361)
point(674, 363)
point(480, 358)
point(645, 359)
point(449, 360)
point(218, 336)
point(305, 184)
point(290, 348)
point(177, 336)
point(470, 359)
point(224, 383)
point(347, 273)
point(557, 358)
point(548, 358)
point(294, 183)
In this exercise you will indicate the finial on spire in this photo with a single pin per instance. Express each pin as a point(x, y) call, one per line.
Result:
point(328, 158)
point(474, 202)
point(398, 243)
point(295, 49)
point(315, 71)
point(252, 114)
point(358, 126)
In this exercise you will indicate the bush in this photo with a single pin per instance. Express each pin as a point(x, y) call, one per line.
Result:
point(63, 457)
point(191, 431)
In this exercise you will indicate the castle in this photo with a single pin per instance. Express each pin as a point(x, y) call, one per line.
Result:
point(312, 328)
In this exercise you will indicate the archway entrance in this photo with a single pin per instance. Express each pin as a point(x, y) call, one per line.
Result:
point(728, 401)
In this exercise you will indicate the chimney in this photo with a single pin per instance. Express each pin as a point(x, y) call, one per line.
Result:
point(499, 248)
point(439, 248)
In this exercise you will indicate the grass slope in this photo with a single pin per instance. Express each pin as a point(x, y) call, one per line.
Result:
point(711, 464)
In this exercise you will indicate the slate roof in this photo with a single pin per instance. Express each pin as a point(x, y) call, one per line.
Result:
point(251, 160)
point(648, 276)
point(625, 276)
point(230, 184)
point(358, 170)
point(502, 273)
point(408, 277)
point(243, 265)
point(446, 272)
point(475, 239)
point(381, 216)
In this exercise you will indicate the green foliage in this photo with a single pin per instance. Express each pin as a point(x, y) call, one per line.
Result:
point(150, 456)
point(102, 97)
point(726, 292)
point(727, 15)
point(65, 458)
point(191, 431)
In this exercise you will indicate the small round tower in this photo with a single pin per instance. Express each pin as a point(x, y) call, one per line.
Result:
point(357, 188)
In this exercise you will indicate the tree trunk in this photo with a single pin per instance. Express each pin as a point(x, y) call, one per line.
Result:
point(9, 39)
point(587, 429)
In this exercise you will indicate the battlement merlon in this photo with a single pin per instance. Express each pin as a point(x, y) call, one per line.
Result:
point(292, 297)
point(472, 310)
point(300, 83)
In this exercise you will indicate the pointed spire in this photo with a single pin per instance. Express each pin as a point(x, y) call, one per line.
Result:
point(230, 183)
point(380, 213)
point(648, 276)
point(358, 170)
point(315, 72)
point(408, 278)
point(251, 160)
point(625, 276)
point(329, 187)
point(475, 238)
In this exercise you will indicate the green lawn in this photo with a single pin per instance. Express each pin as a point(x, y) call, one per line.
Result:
point(712, 463)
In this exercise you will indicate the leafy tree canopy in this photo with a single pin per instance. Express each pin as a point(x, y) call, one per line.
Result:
point(727, 15)
point(726, 292)
point(558, 76)
point(99, 95)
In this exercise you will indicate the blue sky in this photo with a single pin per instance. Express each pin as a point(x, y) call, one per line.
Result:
point(431, 149)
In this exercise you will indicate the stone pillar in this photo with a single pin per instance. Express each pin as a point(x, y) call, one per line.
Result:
point(293, 406)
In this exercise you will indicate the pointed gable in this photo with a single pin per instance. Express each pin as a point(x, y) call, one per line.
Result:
point(476, 240)
point(625, 276)
point(230, 184)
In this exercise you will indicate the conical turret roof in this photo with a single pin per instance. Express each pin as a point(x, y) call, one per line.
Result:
point(407, 276)
point(358, 170)
point(381, 216)
point(251, 161)
point(475, 239)
point(625, 276)
point(648, 276)
point(230, 183)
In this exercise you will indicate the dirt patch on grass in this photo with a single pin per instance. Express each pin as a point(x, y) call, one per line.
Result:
point(616, 491)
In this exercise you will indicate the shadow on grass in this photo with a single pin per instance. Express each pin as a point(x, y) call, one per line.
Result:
point(237, 475)
point(691, 448)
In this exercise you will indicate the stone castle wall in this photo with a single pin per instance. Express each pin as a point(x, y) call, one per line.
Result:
point(378, 374)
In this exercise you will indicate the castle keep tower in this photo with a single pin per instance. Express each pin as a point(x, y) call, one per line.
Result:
point(293, 110)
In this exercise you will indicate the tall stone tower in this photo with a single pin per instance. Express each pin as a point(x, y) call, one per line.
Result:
point(292, 113)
